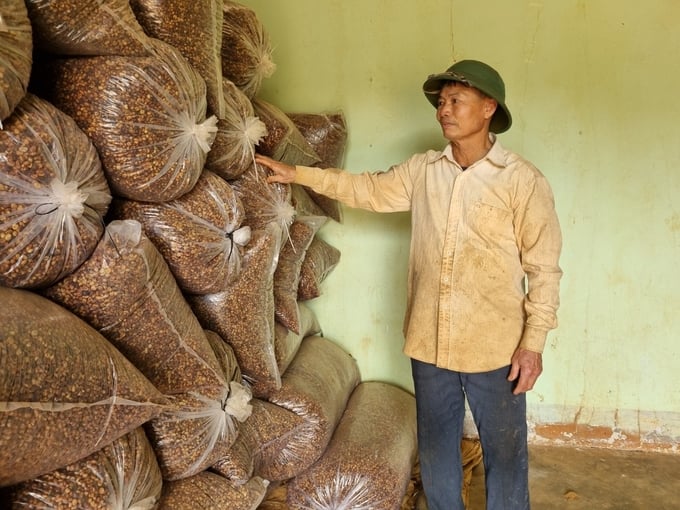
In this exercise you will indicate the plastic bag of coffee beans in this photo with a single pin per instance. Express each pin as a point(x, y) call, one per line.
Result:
point(199, 234)
point(86, 27)
point(247, 56)
point(66, 384)
point(145, 115)
point(53, 196)
point(122, 475)
point(16, 55)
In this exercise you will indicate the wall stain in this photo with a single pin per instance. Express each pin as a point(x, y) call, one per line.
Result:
point(673, 223)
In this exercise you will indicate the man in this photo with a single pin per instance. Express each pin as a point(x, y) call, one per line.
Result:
point(483, 281)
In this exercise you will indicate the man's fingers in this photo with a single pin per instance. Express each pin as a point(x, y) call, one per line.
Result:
point(514, 372)
point(526, 367)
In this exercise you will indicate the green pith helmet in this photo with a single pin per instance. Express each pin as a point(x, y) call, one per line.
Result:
point(480, 76)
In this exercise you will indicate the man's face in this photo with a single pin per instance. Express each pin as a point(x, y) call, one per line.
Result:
point(463, 112)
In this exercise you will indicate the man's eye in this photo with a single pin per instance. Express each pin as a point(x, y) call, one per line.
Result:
point(450, 101)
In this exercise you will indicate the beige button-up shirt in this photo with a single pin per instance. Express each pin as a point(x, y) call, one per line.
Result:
point(483, 275)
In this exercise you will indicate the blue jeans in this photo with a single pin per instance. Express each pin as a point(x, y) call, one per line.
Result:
point(500, 418)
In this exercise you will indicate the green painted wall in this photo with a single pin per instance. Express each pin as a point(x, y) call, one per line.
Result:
point(592, 86)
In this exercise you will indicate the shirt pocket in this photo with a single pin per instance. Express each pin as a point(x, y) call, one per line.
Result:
point(489, 225)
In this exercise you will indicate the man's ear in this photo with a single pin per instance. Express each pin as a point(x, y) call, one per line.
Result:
point(490, 106)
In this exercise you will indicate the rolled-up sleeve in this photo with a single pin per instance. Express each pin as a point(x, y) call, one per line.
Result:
point(388, 191)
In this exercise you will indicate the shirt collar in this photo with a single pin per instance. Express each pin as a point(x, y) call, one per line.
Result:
point(496, 154)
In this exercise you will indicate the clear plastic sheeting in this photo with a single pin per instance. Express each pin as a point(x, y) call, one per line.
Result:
point(53, 195)
point(199, 234)
point(127, 292)
point(86, 27)
point(145, 115)
point(16, 55)
point(320, 260)
point(243, 315)
point(316, 387)
point(247, 55)
point(65, 384)
point(369, 460)
point(287, 274)
point(195, 29)
point(122, 476)
point(284, 141)
point(239, 131)
point(210, 491)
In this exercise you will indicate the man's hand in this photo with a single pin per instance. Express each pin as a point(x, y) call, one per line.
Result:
point(525, 368)
point(281, 172)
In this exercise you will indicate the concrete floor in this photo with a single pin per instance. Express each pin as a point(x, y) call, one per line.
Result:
point(595, 479)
